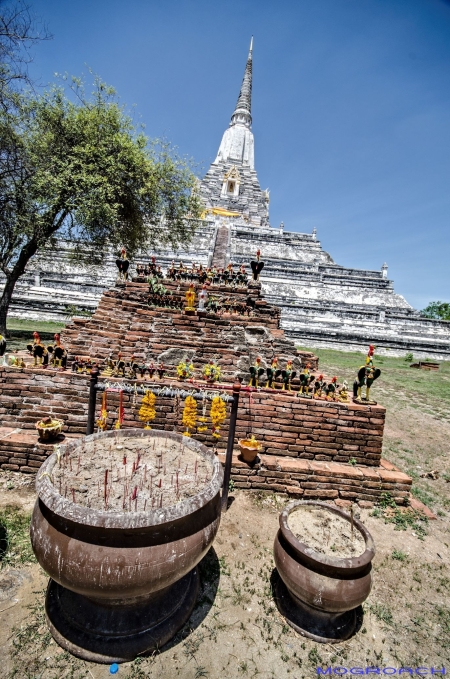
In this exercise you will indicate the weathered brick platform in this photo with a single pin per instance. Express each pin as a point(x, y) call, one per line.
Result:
point(310, 447)
point(321, 480)
point(307, 444)
point(125, 322)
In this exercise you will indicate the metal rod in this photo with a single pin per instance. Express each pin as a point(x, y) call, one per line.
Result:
point(92, 399)
point(167, 392)
point(230, 445)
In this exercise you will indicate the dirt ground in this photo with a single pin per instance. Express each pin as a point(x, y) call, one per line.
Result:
point(236, 630)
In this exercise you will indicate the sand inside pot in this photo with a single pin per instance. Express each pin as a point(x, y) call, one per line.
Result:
point(326, 532)
point(131, 474)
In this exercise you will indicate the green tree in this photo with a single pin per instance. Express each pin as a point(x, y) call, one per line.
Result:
point(76, 167)
point(437, 310)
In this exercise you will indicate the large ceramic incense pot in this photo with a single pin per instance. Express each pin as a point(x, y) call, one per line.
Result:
point(122, 582)
point(320, 595)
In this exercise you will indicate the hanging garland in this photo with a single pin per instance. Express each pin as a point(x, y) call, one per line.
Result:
point(102, 421)
point(203, 419)
point(189, 414)
point(217, 414)
point(147, 411)
point(120, 412)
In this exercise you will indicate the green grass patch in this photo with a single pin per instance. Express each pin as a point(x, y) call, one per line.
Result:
point(31, 325)
point(382, 612)
point(398, 555)
point(422, 495)
point(15, 545)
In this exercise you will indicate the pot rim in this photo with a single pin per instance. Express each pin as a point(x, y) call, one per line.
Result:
point(242, 443)
point(354, 562)
point(77, 513)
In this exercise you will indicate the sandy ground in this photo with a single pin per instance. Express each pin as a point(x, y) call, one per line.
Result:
point(236, 630)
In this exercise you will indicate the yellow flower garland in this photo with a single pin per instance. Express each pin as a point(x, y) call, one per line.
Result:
point(147, 411)
point(102, 421)
point(217, 414)
point(189, 414)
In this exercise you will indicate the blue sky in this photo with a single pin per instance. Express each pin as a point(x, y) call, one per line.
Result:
point(351, 109)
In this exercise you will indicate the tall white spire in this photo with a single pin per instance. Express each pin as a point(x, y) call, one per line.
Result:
point(237, 142)
point(242, 112)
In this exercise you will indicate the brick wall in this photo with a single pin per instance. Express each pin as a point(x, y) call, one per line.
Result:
point(285, 424)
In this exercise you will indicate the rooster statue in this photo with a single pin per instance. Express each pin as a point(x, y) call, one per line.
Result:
point(2, 350)
point(255, 373)
point(257, 266)
point(38, 351)
point(59, 353)
point(123, 265)
point(288, 375)
point(332, 390)
point(272, 373)
point(367, 374)
point(306, 380)
point(319, 386)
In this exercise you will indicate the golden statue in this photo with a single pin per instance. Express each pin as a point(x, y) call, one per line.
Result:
point(190, 298)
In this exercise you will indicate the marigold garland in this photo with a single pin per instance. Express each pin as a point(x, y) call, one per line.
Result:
point(102, 421)
point(147, 411)
point(120, 412)
point(189, 414)
point(217, 414)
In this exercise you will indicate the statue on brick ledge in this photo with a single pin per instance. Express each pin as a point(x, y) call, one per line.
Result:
point(287, 376)
point(190, 300)
point(367, 374)
point(255, 373)
point(306, 379)
point(257, 266)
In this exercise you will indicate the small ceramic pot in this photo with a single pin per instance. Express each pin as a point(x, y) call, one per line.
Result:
point(249, 449)
point(48, 433)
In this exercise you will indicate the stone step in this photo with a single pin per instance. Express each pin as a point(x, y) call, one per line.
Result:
point(311, 479)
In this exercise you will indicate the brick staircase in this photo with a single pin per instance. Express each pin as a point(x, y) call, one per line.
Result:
point(220, 249)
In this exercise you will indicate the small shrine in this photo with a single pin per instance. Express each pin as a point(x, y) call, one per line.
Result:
point(168, 346)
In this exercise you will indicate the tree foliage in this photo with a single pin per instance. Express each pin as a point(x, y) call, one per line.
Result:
point(74, 166)
point(437, 310)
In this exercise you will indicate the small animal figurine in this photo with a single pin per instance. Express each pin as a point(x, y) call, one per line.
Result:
point(255, 373)
point(343, 393)
point(306, 380)
point(38, 351)
point(123, 265)
point(367, 374)
point(242, 278)
point(257, 266)
point(59, 353)
point(287, 375)
point(319, 387)
point(2, 350)
point(272, 373)
point(119, 369)
point(332, 389)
